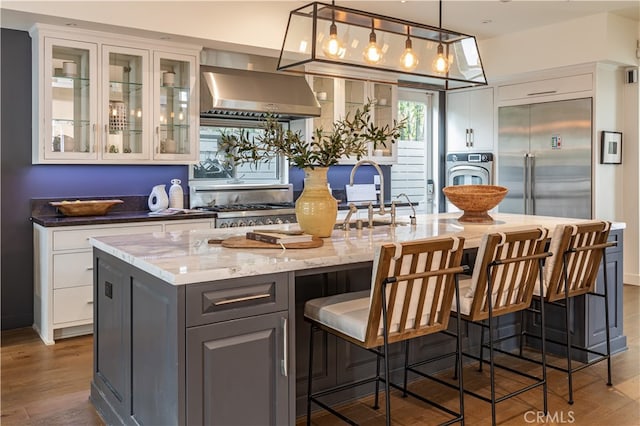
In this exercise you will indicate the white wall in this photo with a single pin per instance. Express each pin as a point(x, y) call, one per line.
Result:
point(594, 38)
point(631, 182)
point(607, 115)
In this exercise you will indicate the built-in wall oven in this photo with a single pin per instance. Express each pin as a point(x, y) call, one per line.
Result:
point(469, 169)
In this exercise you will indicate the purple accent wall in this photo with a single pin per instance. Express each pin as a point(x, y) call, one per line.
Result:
point(338, 177)
point(51, 181)
point(21, 181)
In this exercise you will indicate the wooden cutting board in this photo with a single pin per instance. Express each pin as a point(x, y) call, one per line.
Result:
point(241, 241)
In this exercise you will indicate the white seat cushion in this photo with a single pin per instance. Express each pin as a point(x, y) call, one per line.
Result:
point(466, 296)
point(348, 312)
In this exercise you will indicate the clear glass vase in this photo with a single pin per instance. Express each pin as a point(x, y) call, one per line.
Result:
point(316, 209)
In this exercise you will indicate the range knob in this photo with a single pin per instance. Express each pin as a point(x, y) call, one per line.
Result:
point(485, 157)
point(223, 225)
point(251, 223)
point(269, 222)
point(241, 223)
point(279, 221)
point(287, 221)
point(454, 157)
point(234, 225)
point(259, 222)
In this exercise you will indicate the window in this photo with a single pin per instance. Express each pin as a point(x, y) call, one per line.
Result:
point(409, 175)
point(213, 165)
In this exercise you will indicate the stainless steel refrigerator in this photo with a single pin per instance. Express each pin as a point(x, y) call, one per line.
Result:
point(544, 158)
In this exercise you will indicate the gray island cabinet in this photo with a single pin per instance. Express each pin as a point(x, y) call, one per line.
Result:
point(188, 332)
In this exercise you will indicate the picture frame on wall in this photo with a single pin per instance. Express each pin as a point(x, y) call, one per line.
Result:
point(611, 148)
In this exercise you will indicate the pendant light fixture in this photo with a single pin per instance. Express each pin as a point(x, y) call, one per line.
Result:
point(332, 46)
point(381, 47)
point(409, 59)
point(372, 53)
point(440, 63)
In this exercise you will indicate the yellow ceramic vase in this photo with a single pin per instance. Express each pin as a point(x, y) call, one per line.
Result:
point(316, 209)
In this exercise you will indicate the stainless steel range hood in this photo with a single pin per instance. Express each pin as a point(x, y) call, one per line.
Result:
point(241, 94)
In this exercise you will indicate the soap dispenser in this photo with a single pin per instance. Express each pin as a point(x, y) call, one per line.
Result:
point(176, 196)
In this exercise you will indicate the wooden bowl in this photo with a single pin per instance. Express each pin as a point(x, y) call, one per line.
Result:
point(85, 207)
point(475, 200)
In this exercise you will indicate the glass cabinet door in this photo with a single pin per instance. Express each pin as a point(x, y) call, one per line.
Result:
point(324, 88)
point(383, 114)
point(354, 96)
point(175, 110)
point(70, 100)
point(125, 103)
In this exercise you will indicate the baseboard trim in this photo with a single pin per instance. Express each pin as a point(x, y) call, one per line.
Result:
point(631, 279)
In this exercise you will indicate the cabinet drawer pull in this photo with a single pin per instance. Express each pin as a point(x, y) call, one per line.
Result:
point(284, 367)
point(242, 299)
point(90, 302)
point(89, 268)
point(548, 92)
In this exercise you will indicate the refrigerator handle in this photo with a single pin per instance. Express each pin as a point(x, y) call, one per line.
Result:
point(532, 183)
point(527, 183)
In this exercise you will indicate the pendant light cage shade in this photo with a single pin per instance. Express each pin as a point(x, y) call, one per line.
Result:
point(310, 27)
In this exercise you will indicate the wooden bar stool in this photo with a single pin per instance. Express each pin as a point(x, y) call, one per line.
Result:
point(412, 290)
point(508, 265)
point(578, 251)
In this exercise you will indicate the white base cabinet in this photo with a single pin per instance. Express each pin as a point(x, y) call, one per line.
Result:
point(63, 272)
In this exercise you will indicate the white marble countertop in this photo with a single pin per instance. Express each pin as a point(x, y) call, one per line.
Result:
point(185, 257)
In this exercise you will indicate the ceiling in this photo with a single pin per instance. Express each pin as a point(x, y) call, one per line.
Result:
point(238, 22)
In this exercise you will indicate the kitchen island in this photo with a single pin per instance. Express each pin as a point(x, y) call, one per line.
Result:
point(189, 332)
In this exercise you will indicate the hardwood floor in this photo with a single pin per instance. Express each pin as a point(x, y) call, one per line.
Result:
point(49, 385)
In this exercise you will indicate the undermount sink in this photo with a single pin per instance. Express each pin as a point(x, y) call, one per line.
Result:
point(365, 224)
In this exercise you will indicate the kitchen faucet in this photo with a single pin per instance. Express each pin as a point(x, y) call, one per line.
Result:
point(412, 217)
point(382, 211)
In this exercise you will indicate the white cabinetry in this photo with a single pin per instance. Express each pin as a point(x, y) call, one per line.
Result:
point(105, 99)
point(564, 87)
point(63, 272)
point(470, 120)
point(341, 96)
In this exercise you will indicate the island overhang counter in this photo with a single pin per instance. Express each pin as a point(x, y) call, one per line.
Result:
point(189, 332)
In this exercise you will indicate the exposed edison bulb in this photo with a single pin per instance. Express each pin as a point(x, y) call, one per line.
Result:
point(372, 53)
point(332, 46)
point(440, 63)
point(409, 59)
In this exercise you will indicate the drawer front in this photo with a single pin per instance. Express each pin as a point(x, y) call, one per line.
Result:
point(187, 225)
point(237, 298)
point(72, 304)
point(72, 269)
point(554, 86)
point(79, 238)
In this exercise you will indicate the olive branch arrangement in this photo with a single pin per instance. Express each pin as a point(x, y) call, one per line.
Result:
point(349, 137)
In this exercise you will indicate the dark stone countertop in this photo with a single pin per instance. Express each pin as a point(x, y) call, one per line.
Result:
point(133, 209)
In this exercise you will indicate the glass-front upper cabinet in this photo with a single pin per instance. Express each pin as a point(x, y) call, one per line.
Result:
point(104, 98)
point(174, 107)
point(324, 88)
point(384, 112)
point(341, 96)
point(125, 107)
point(67, 102)
point(354, 96)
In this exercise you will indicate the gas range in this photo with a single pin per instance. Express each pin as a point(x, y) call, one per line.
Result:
point(242, 205)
